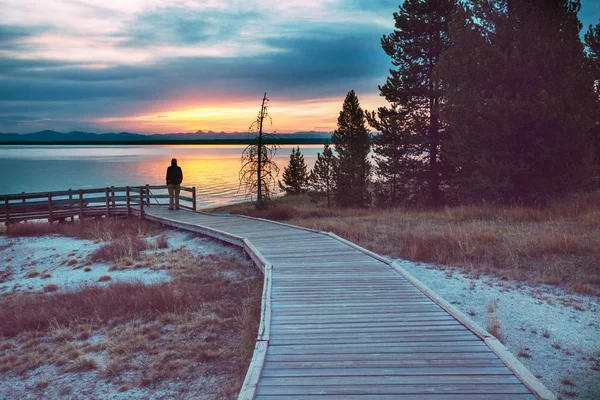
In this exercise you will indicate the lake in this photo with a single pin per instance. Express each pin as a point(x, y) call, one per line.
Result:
point(213, 169)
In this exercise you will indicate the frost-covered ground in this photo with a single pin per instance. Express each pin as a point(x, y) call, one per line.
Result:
point(29, 264)
point(554, 333)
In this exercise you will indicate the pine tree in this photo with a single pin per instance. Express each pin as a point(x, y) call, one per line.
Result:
point(295, 175)
point(592, 41)
point(411, 141)
point(519, 101)
point(352, 143)
point(321, 181)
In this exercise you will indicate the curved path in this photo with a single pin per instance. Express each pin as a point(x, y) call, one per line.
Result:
point(340, 322)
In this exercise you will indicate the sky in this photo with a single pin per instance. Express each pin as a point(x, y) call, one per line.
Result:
point(170, 66)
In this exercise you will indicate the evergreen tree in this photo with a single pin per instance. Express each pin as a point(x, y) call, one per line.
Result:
point(352, 143)
point(412, 135)
point(519, 100)
point(592, 40)
point(321, 181)
point(295, 175)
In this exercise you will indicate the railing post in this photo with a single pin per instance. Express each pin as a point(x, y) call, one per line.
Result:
point(80, 205)
point(141, 202)
point(128, 200)
point(6, 213)
point(147, 195)
point(23, 193)
point(194, 198)
point(112, 194)
point(50, 219)
point(107, 196)
point(71, 205)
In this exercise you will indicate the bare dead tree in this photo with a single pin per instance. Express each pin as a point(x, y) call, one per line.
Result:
point(259, 172)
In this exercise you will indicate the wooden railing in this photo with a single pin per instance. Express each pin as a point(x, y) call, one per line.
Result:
point(82, 203)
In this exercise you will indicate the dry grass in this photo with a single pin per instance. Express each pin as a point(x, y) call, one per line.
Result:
point(557, 244)
point(104, 230)
point(203, 322)
point(162, 242)
point(128, 246)
point(524, 353)
point(494, 328)
point(50, 288)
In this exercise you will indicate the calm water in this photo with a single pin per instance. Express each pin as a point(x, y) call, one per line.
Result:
point(213, 169)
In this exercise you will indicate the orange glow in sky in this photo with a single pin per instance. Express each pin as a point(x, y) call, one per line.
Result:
point(287, 116)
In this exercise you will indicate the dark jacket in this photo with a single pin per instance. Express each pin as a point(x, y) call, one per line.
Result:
point(174, 175)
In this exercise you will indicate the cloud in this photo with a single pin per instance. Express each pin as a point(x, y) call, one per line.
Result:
point(179, 26)
point(155, 56)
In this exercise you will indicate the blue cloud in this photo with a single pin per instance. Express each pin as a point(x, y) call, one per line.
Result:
point(177, 26)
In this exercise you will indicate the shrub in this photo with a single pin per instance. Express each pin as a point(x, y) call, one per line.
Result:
point(50, 288)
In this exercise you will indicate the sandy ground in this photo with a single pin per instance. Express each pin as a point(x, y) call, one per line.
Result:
point(50, 256)
point(554, 333)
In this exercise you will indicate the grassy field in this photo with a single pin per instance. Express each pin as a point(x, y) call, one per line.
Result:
point(558, 244)
point(202, 322)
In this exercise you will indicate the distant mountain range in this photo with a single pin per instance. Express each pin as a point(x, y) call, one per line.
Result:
point(77, 136)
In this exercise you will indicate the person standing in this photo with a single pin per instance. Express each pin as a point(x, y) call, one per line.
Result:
point(174, 179)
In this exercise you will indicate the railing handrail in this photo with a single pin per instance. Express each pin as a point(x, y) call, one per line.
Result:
point(67, 192)
point(72, 202)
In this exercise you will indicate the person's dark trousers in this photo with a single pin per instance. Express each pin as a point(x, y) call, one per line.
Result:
point(174, 193)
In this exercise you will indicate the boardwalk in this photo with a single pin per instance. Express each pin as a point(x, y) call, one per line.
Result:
point(340, 323)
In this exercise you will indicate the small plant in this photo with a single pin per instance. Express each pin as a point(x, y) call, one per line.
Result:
point(71, 262)
point(567, 381)
point(546, 333)
point(32, 274)
point(524, 353)
point(104, 278)
point(87, 269)
point(494, 328)
point(51, 288)
point(556, 345)
point(491, 307)
point(162, 242)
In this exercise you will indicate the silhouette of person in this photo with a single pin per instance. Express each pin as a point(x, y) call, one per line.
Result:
point(174, 179)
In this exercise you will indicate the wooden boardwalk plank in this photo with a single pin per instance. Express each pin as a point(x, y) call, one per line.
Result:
point(345, 323)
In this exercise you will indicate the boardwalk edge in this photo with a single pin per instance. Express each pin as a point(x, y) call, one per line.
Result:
point(248, 391)
point(251, 381)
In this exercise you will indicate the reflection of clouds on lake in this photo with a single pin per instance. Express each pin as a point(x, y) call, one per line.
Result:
point(212, 169)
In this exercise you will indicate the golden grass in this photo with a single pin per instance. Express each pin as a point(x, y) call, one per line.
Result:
point(556, 244)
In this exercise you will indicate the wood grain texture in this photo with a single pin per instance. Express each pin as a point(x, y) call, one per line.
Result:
point(341, 322)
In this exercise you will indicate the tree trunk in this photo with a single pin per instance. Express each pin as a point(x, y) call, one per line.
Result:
point(434, 179)
point(259, 196)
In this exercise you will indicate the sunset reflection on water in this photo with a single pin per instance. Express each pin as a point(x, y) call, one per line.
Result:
point(213, 169)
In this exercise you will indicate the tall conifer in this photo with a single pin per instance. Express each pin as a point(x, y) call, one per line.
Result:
point(352, 143)
point(321, 180)
point(412, 135)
